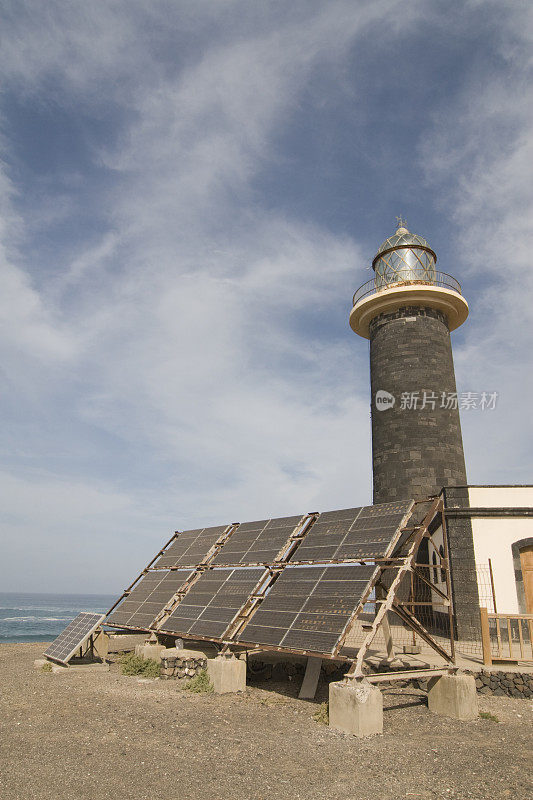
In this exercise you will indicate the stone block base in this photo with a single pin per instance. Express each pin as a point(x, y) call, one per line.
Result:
point(453, 696)
point(356, 708)
point(181, 663)
point(227, 674)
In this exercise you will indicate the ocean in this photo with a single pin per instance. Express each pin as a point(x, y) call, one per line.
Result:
point(41, 617)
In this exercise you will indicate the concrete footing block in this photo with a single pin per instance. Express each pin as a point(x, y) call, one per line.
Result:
point(81, 668)
point(177, 652)
point(412, 649)
point(147, 651)
point(227, 674)
point(356, 708)
point(453, 696)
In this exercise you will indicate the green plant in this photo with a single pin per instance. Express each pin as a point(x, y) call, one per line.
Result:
point(200, 684)
point(488, 715)
point(321, 715)
point(130, 664)
point(46, 667)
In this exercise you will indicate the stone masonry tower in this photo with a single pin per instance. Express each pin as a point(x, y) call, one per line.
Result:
point(407, 311)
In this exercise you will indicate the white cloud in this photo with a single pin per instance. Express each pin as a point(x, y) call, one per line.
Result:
point(179, 364)
point(186, 335)
point(28, 328)
point(479, 158)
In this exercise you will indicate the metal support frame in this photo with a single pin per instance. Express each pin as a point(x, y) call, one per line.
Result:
point(391, 603)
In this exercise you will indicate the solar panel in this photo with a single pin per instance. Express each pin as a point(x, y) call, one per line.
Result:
point(213, 602)
point(190, 547)
point(308, 608)
point(73, 637)
point(148, 598)
point(355, 533)
point(257, 542)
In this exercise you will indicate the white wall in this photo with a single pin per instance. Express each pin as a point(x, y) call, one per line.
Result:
point(493, 537)
point(500, 496)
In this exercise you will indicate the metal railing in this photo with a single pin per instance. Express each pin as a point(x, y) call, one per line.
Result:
point(506, 637)
point(440, 279)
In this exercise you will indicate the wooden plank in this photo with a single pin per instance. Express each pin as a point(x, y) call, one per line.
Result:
point(311, 678)
point(492, 587)
point(521, 640)
point(388, 637)
point(406, 675)
point(510, 637)
point(485, 637)
point(499, 637)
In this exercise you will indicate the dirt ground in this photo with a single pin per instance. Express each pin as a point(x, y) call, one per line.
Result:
point(103, 735)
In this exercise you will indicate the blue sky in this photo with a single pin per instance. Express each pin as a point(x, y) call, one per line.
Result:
point(190, 193)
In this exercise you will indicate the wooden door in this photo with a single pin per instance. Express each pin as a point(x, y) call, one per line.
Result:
point(526, 563)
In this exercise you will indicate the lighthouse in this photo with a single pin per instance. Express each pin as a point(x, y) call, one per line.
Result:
point(407, 311)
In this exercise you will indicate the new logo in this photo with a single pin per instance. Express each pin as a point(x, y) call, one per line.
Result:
point(384, 400)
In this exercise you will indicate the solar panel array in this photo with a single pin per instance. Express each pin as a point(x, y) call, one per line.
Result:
point(190, 547)
point(257, 542)
point(353, 533)
point(213, 601)
point(73, 636)
point(147, 599)
point(308, 608)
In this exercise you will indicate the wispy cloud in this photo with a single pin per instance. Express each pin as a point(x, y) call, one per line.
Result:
point(479, 158)
point(176, 346)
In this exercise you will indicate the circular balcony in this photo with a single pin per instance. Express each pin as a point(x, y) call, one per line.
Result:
point(441, 291)
point(440, 279)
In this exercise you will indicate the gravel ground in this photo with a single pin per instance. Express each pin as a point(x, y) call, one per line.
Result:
point(101, 735)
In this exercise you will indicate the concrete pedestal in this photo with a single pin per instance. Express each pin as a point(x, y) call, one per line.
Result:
point(227, 674)
point(147, 651)
point(175, 652)
point(101, 645)
point(453, 696)
point(356, 708)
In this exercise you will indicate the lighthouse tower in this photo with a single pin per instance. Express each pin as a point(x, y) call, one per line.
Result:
point(407, 312)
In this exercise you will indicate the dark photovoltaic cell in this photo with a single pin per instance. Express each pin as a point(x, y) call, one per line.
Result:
point(213, 601)
point(73, 637)
point(366, 532)
point(308, 608)
point(150, 596)
point(257, 542)
point(190, 547)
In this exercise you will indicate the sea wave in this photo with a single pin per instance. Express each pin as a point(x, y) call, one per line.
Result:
point(36, 608)
point(37, 619)
point(10, 613)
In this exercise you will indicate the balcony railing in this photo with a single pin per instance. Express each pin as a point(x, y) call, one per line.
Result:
point(440, 279)
point(506, 637)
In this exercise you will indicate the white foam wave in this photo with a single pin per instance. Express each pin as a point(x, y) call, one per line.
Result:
point(37, 619)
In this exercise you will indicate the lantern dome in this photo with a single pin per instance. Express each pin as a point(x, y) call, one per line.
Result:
point(404, 257)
